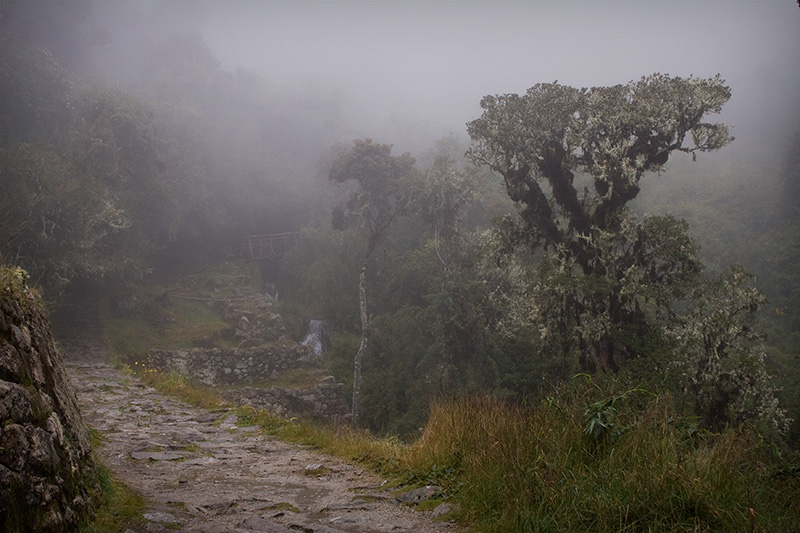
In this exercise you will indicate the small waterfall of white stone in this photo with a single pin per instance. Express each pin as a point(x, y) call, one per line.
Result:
point(271, 291)
point(314, 336)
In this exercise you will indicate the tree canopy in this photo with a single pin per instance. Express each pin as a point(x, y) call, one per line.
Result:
point(543, 142)
point(382, 193)
point(571, 159)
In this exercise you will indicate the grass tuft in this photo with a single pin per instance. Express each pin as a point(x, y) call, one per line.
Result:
point(121, 509)
point(178, 385)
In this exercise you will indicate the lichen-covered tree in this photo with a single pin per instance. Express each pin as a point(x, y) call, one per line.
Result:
point(383, 194)
point(572, 160)
point(719, 356)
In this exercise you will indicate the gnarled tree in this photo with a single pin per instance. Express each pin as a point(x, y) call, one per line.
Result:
point(571, 160)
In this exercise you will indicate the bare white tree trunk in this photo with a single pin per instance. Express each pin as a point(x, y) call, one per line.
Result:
point(362, 304)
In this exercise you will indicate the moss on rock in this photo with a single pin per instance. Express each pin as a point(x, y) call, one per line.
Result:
point(48, 478)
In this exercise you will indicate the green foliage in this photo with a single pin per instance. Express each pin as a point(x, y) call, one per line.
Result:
point(339, 360)
point(607, 287)
point(601, 427)
point(160, 323)
point(120, 510)
point(721, 355)
point(615, 312)
point(663, 318)
point(103, 184)
point(118, 144)
point(614, 134)
point(400, 348)
point(446, 191)
point(736, 210)
point(431, 311)
point(319, 279)
point(790, 198)
point(35, 94)
point(14, 285)
point(432, 336)
point(382, 196)
point(383, 188)
point(93, 206)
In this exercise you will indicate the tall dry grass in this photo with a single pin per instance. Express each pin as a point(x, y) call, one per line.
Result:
point(535, 468)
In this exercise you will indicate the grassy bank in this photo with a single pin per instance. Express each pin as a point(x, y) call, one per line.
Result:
point(548, 468)
point(120, 509)
point(584, 459)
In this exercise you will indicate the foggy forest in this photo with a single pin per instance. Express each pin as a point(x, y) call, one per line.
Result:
point(544, 254)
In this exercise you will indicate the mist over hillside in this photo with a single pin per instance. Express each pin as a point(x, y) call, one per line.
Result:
point(550, 249)
point(408, 71)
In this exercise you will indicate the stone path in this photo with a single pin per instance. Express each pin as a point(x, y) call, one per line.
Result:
point(200, 471)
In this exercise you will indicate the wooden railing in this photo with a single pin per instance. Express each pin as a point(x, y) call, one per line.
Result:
point(268, 246)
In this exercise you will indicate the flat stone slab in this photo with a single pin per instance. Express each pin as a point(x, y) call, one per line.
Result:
point(158, 456)
point(200, 461)
point(421, 494)
point(164, 518)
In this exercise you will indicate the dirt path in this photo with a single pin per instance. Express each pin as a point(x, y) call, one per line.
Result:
point(199, 471)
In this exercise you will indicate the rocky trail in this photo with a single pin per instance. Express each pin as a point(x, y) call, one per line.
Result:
point(201, 471)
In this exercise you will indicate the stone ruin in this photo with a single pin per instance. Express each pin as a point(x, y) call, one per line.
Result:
point(263, 353)
point(239, 372)
point(232, 366)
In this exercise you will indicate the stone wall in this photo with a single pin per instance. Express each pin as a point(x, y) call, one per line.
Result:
point(229, 366)
point(326, 401)
point(47, 474)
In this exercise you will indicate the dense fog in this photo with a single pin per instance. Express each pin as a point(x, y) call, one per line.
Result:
point(407, 72)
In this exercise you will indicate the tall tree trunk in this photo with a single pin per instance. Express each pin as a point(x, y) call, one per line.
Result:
point(362, 304)
point(605, 354)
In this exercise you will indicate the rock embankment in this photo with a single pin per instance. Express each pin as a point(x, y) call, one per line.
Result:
point(47, 474)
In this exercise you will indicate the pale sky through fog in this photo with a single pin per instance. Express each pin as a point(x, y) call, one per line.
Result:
point(429, 63)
